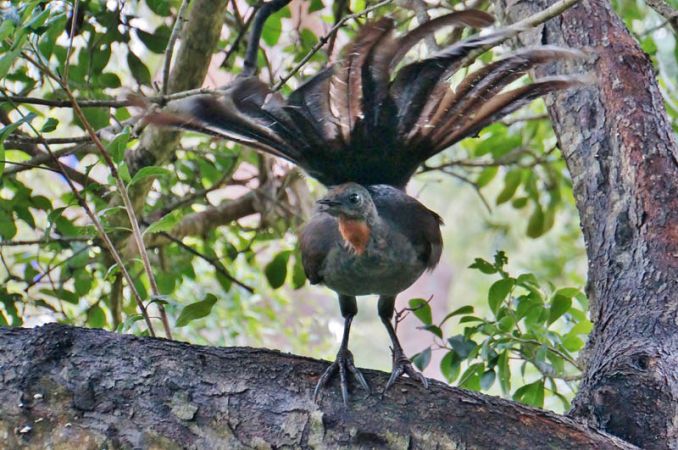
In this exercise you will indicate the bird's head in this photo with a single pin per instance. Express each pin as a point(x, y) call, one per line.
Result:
point(350, 201)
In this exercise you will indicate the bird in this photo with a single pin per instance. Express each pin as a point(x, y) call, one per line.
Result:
point(362, 127)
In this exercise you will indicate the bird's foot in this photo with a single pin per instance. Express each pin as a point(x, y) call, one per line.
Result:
point(343, 364)
point(402, 365)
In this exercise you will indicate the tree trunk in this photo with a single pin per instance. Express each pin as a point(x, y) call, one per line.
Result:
point(63, 387)
point(621, 154)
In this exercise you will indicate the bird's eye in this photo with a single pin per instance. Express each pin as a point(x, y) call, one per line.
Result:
point(354, 198)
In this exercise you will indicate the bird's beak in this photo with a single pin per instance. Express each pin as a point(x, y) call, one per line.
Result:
point(327, 204)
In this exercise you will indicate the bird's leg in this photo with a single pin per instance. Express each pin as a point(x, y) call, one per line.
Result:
point(344, 361)
point(401, 364)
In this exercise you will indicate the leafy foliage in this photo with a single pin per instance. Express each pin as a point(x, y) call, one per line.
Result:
point(532, 329)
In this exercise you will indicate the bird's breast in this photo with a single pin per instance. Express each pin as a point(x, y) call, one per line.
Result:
point(386, 263)
point(356, 234)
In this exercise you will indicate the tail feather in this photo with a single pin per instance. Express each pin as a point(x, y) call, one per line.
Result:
point(481, 85)
point(415, 83)
point(312, 100)
point(502, 104)
point(364, 120)
point(469, 18)
point(389, 51)
point(346, 100)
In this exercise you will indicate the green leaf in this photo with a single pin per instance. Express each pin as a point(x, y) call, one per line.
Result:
point(435, 330)
point(298, 274)
point(572, 342)
point(159, 7)
point(468, 309)
point(96, 318)
point(487, 379)
point(165, 224)
point(486, 175)
point(512, 180)
point(470, 379)
point(7, 60)
point(422, 310)
point(6, 29)
point(506, 323)
point(62, 294)
point(583, 327)
point(568, 292)
point(156, 41)
point(498, 293)
point(139, 70)
point(128, 322)
point(531, 394)
point(50, 125)
point(316, 5)
point(483, 266)
point(535, 226)
point(276, 270)
point(196, 310)
point(116, 148)
point(519, 202)
point(462, 345)
point(450, 366)
point(422, 360)
point(96, 117)
point(559, 306)
point(7, 226)
point(273, 27)
point(504, 372)
point(149, 172)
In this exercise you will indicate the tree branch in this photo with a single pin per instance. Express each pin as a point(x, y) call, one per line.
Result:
point(63, 386)
point(666, 11)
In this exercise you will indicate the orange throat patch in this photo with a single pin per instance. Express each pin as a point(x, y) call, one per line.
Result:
point(356, 233)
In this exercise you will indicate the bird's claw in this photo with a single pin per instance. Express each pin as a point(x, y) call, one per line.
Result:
point(402, 365)
point(342, 364)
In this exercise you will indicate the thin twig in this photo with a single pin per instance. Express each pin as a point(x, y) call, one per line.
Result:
point(34, 162)
point(50, 269)
point(74, 24)
point(474, 185)
point(323, 40)
point(178, 25)
point(45, 241)
point(512, 120)
point(214, 262)
point(241, 34)
point(549, 348)
point(85, 206)
point(188, 199)
point(86, 103)
point(665, 10)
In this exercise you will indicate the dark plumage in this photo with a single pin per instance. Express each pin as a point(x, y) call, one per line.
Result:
point(364, 126)
point(368, 120)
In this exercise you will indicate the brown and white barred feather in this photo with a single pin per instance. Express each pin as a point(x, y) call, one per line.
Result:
point(369, 120)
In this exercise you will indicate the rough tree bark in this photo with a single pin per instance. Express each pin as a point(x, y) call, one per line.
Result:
point(619, 148)
point(65, 388)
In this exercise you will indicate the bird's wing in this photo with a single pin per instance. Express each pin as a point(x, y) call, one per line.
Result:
point(316, 240)
point(417, 223)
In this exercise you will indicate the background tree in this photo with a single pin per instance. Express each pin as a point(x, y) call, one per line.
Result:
point(71, 254)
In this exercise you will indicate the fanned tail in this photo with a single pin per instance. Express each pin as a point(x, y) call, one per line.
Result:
point(451, 106)
point(502, 104)
point(365, 119)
